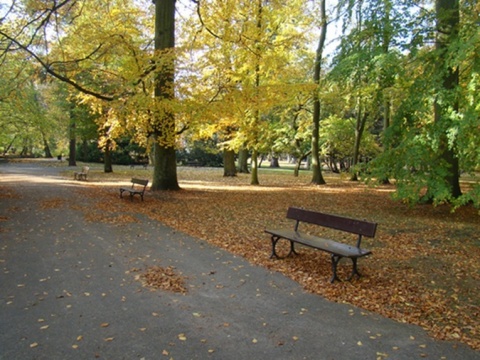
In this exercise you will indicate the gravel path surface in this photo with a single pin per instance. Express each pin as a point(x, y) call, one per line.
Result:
point(69, 290)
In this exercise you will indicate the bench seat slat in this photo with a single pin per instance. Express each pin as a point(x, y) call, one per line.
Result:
point(327, 245)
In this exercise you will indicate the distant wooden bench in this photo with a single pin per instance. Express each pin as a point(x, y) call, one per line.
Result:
point(81, 175)
point(336, 249)
point(193, 163)
point(138, 188)
point(144, 165)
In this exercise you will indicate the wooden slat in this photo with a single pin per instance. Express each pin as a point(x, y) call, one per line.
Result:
point(353, 226)
point(140, 181)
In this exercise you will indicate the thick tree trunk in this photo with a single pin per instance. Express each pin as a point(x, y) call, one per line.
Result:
point(229, 168)
point(317, 177)
point(274, 162)
point(165, 169)
point(243, 161)
point(165, 165)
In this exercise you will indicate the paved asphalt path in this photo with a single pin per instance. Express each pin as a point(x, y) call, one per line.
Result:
point(68, 291)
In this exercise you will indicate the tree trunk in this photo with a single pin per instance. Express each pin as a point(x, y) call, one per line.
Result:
point(274, 162)
point(165, 169)
point(254, 165)
point(165, 165)
point(85, 149)
point(9, 145)
point(386, 82)
point(243, 161)
point(72, 155)
point(107, 160)
point(359, 128)
point(229, 168)
point(46, 147)
point(299, 163)
point(448, 18)
point(317, 177)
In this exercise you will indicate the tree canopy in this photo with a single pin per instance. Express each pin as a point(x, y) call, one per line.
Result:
point(396, 86)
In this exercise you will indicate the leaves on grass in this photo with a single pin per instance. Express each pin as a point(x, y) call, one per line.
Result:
point(424, 268)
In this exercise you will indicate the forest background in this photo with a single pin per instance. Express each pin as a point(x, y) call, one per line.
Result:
point(396, 100)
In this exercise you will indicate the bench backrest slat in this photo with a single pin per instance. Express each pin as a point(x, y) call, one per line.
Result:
point(333, 221)
point(140, 181)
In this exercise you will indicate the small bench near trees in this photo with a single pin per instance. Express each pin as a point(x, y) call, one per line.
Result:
point(81, 175)
point(138, 188)
point(336, 249)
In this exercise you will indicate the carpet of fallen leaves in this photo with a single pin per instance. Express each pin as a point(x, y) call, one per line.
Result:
point(424, 269)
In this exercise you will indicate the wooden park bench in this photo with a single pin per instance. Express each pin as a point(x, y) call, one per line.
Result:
point(138, 188)
point(81, 175)
point(144, 165)
point(336, 249)
point(192, 163)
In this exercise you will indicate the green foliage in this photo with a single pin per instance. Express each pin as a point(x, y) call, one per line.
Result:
point(242, 81)
point(204, 153)
point(125, 153)
point(337, 138)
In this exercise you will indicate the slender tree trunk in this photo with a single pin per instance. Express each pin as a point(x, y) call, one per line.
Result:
point(165, 165)
point(72, 148)
point(107, 160)
point(299, 163)
point(85, 149)
point(448, 19)
point(360, 121)
point(46, 147)
point(254, 165)
point(386, 82)
point(256, 112)
point(359, 128)
point(9, 145)
point(229, 168)
point(317, 177)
